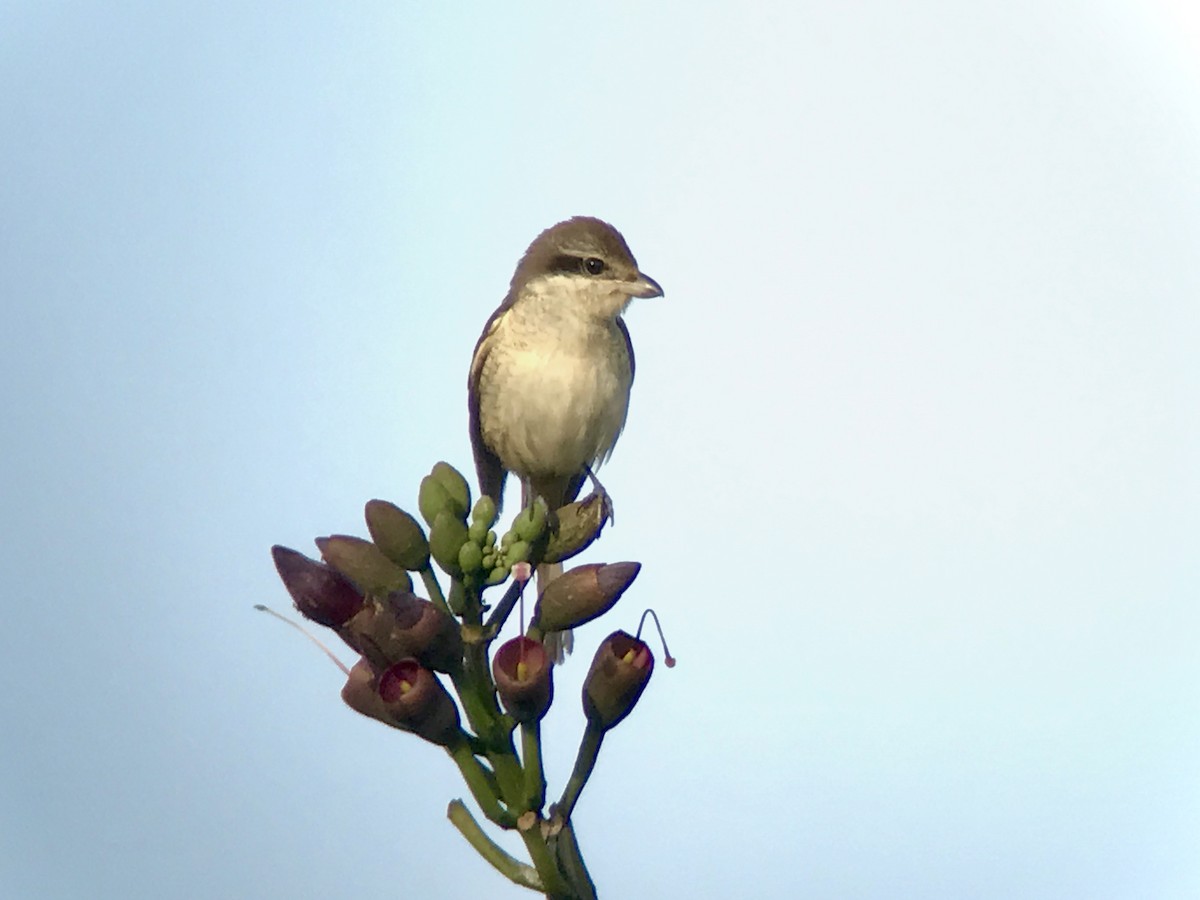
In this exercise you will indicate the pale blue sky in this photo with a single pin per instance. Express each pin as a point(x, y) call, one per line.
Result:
point(910, 463)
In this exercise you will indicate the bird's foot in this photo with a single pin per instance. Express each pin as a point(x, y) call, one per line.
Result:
point(598, 490)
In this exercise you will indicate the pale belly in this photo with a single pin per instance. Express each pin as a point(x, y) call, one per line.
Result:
point(551, 412)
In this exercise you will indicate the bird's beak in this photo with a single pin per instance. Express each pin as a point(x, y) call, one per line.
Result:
point(644, 286)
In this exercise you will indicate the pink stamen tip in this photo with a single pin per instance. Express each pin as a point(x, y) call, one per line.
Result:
point(669, 662)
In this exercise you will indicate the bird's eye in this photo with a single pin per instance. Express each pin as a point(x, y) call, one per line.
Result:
point(593, 266)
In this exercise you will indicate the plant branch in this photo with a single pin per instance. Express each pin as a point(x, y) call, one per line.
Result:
point(543, 860)
point(481, 785)
point(433, 588)
point(570, 863)
point(585, 761)
point(531, 759)
point(509, 866)
point(503, 609)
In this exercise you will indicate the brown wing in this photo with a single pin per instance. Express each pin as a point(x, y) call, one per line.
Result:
point(487, 464)
point(628, 347)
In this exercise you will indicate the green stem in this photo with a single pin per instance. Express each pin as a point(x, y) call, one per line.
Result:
point(570, 863)
point(585, 761)
point(479, 783)
point(510, 867)
point(543, 860)
point(433, 588)
point(474, 686)
point(483, 723)
point(531, 758)
point(512, 780)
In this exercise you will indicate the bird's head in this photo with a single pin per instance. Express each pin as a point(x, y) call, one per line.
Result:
point(587, 259)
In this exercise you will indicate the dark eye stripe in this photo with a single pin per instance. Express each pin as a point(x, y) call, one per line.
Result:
point(564, 263)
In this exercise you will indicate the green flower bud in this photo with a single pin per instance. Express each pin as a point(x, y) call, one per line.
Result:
point(485, 511)
point(518, 551)
point(456, 487)
point(477, 532)
point(446, 538)
point(470, 557)
point(398, 535)
point(364, 564)
point(433, 498)
point(530, 523)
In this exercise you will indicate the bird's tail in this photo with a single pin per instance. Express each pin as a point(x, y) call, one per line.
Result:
point(558, 644)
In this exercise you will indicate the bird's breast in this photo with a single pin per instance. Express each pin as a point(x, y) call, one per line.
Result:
point(551, 404)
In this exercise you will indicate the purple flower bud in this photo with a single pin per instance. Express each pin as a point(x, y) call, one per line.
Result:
point(431, 634)
point(619, 673)
point(582, 594)
point(319, 592)
point(405, 696)
point(418, 702)
point(522, 672)
point(403, 625)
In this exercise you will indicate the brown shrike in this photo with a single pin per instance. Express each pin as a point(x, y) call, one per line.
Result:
point(549, 384)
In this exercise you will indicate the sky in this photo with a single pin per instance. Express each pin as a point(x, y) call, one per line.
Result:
point(910, 462)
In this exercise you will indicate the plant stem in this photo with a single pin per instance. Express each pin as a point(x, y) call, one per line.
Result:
point(503, 609)
point(555, 884)
point(570, 863)
point(508, 866)
point(531, 759)
point(585, 761)
point(479, 783)
point(433, 588)
point(510, 777)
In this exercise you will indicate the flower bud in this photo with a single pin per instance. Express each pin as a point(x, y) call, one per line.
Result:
point(530, 523)
point(582, 594)
point(364, 564)
point(429, 634)
point(432, 498)
point(470, 558)
point(360, 695)
point(578, 524)
point(522, 672)
point(444, 490)
point(320, 593)
point(402, 625)
point(405, 696)
point(415, 700)
point(397, 534)
point(446, 538)
point(484, 513)
point(618, 675)
point(457, 488)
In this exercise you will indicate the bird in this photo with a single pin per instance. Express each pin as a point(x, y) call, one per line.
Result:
point(550, 378)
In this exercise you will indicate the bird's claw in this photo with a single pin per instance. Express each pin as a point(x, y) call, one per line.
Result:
point(598, 490)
